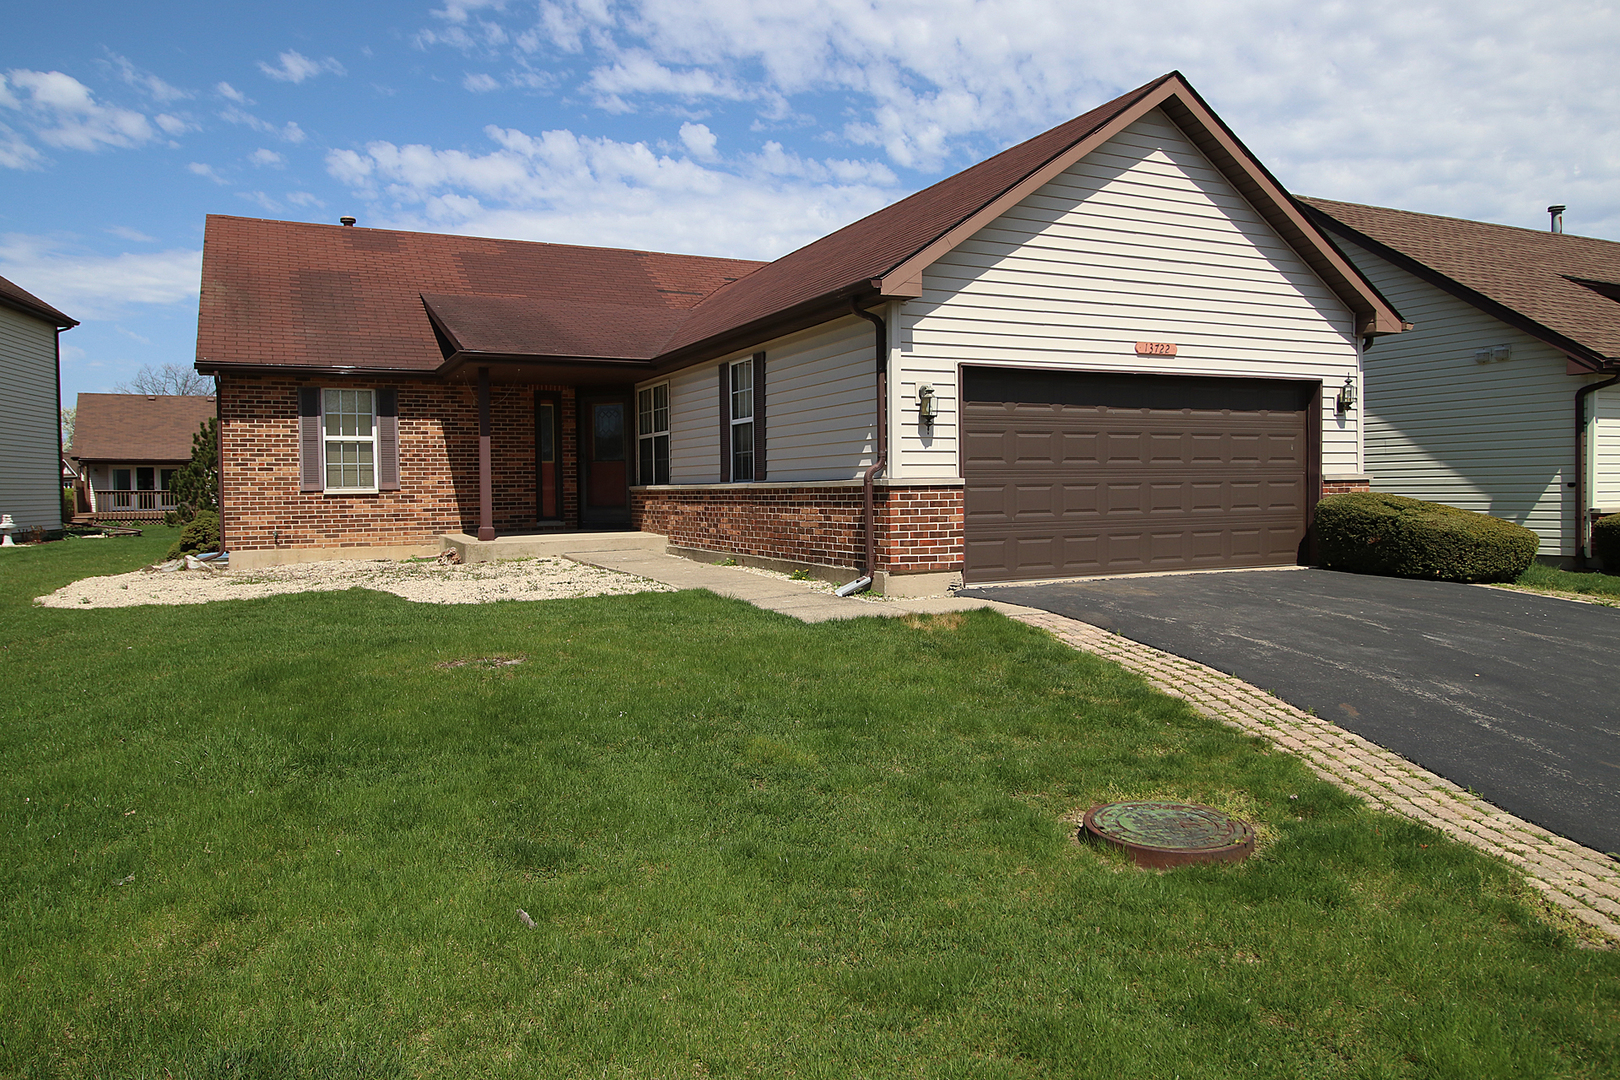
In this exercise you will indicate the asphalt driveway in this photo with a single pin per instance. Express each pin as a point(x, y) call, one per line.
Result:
point(1513, 695)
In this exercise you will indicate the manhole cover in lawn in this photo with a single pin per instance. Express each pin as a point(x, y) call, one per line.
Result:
point(1159, 834)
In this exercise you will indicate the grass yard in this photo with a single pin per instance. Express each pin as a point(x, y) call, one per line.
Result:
point(1597, 587)
point(286, 838)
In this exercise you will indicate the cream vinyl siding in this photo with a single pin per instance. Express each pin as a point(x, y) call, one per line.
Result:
point(820, 389)
point(1606, 449)
point(30, 464)
point(1143, 240)
point(1498, 438)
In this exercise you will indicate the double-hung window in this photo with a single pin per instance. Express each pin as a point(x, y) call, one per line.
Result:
point(652, 434)
point(742, 420)
point(348, 440)
point(351, 440)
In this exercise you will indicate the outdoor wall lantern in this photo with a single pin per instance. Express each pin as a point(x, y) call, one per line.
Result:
point(926, 407)
point(1347, 395)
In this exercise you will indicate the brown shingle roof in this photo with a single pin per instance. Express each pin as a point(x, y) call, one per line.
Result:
point(289, 293)
point(135, 427)
point(1519, 275)
point(21, 299)
point(279, 293)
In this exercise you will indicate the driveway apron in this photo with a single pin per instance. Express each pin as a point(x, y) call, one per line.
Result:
point(1512, 695)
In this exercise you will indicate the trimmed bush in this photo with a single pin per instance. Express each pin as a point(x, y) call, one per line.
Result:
point(200, 534)
point(1370, 533)
point(1606, 542)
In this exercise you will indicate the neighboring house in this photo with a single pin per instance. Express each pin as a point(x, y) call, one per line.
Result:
point(30, 409)
point(1119, 346)
point(1501, 399)
point(129, 445)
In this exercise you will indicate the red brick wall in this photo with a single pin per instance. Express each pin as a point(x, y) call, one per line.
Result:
point(438, 465)
point(1344, 487)
point(919, 529)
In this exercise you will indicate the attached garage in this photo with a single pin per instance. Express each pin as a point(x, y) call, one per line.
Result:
point(1074, 473)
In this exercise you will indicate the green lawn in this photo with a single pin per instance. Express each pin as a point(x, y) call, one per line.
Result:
point(1603, 588)
point(279, 838)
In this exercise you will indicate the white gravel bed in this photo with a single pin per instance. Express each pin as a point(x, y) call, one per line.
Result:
point(424, 582)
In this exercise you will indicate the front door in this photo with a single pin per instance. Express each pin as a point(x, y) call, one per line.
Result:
point(606, 480)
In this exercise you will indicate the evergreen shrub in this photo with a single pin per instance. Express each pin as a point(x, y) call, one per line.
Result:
point(1367, 532)
point(1606, 542)
point(200, 534)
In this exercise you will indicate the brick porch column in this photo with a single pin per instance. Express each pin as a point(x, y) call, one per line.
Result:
point(486, 499)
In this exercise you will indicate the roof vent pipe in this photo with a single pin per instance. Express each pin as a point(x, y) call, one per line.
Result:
point(349, 221)
point(1557, 213)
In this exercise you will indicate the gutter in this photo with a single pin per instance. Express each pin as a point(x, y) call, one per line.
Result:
point(1583, 525)
point(881, 459)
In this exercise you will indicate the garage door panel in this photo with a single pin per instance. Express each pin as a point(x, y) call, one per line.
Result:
point(1115, 474)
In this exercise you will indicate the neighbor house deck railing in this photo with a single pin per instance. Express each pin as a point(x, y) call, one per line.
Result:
point(114, 502)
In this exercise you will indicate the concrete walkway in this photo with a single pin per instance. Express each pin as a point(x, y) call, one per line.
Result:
point(1583, 882)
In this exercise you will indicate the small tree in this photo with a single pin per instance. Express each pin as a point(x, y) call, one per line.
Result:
point(196, 484)
point(168, 380)
point(69, 415)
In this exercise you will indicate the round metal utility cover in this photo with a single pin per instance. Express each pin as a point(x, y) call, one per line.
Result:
point(1160, 834)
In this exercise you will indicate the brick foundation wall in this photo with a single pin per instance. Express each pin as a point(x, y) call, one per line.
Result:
point(919, 529)
point(1344, 487)
point(438, 465)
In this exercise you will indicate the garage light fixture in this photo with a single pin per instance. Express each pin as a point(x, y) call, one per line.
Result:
point(1347, 395)
point(926, 407)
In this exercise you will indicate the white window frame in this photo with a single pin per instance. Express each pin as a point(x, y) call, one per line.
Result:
point(367, 440)
point(742, 421)
point(648, 431)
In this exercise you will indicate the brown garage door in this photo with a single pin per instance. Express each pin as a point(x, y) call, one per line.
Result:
point(1071, 474)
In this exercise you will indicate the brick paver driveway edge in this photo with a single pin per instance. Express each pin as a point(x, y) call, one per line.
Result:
point(1584, 882)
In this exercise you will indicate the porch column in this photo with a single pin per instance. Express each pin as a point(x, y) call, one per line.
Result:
point(486, 500)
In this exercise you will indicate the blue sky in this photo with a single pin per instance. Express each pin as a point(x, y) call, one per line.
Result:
point(723, 127)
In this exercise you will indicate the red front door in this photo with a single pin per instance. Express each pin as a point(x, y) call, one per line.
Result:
point(606, 456)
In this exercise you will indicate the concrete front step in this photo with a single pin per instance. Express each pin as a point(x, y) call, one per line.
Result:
point(538, 545)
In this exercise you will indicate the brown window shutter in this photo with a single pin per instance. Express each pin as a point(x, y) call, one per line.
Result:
point(759, 416)
point(388, 438)
point(725, 422)
point(311, 477)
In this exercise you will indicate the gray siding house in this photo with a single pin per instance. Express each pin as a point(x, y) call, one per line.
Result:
point(30, 421)
point(1504, 398)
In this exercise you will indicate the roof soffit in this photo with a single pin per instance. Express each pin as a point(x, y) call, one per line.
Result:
point(1182, 105)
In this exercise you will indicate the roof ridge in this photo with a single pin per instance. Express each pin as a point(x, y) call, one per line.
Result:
point(1316, 200)
point(490, 239)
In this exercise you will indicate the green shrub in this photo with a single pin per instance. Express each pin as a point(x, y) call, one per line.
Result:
point(1606, 542)
point(200, 534)
point(1371, 533)
point(70, 503)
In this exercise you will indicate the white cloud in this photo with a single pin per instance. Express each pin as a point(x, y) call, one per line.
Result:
point(295, 67)
point(65, 113)
point(480, 83)
point(1491, 109)
point(231, 93)
point(15, 153)
point(197, 168)
point(260, 199)
point(131, 234)
point(288, 132)
point(700, 141)
point(144, 81)
point(305, 199)
point(561, 187)
point(172, 125)
point(90, 285)
point(264, 157)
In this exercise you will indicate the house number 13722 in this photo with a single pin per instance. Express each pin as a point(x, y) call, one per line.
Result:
point(1155, 348)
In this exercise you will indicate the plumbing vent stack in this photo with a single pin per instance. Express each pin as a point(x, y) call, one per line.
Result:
point(1557, 213)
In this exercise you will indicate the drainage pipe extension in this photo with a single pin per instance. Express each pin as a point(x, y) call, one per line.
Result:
point(881, 457)
point(1583, 523)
